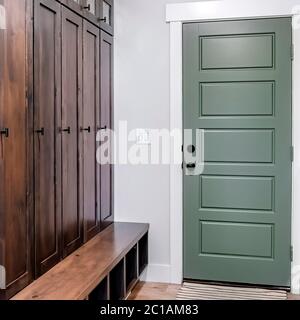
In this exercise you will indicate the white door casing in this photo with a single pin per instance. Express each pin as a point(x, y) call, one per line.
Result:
point(178, 13)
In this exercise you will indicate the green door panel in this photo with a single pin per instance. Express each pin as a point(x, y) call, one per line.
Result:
point(237, 192)
point(219, 238)
point(239, 146)
point(236, 99)
point(237, 213)
point(235, 51)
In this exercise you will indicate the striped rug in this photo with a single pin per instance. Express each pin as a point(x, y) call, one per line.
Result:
point(198, 291)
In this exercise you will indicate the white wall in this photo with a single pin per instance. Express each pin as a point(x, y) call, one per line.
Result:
point(142, 92)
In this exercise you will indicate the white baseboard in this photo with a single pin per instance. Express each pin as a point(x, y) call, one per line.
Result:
point(157, 273)
point(295, 288)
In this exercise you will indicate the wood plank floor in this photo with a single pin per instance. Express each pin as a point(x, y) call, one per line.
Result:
point(164, 291)
point(154, 291)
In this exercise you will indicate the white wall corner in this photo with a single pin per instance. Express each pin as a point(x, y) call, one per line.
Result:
point(157, 273)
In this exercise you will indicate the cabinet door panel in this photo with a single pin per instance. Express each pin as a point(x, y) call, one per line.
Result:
point(15, 151)
point(91, 185)
point(106, 121)
point(47, 137)
point(107, 15)
point(71, 118)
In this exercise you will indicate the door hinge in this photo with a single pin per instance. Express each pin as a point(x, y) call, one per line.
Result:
point(292, 153)
point(2, 278)
point(292, 52)
point(292, 253)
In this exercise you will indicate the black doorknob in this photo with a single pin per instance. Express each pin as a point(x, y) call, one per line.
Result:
point(5, 132)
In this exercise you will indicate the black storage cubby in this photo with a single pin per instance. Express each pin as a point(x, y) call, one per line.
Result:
point(143, 253)
point(101, 292)
point(131, 268)
point(117, 282)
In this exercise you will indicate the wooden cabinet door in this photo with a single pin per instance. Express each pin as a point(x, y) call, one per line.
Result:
point(72, 219)
point(106, 120)
point(107, 16)
point(47, 155)
point(15, 152)
point(91, 88)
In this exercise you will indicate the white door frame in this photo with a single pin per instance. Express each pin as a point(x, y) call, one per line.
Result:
point(221, 10)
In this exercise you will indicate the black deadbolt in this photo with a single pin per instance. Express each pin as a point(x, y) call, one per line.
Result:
point(191, 165)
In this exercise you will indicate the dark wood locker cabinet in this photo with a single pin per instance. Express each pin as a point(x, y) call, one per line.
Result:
point(106, 120)
point(15, 149)
point(47, 138)
point(56, 93)
point(91, 170)
point(72, 215)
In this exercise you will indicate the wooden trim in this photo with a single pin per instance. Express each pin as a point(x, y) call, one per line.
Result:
point(108, 39)
point(89, 28)
point(30, 145)
point(24, 279)
point(68, 15)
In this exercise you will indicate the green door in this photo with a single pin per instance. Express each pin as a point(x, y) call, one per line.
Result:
point(237, 212)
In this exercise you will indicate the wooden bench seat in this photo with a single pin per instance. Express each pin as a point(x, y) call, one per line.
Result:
point(79, 274)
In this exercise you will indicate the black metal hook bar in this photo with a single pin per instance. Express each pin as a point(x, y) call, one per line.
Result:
point(88, 7)
point(68, 130)
point(5, 132)
point(41, 131)
point(88, 129)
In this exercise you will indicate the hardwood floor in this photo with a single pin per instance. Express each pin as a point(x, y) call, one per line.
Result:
point(164, 291)
point(154, 291)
